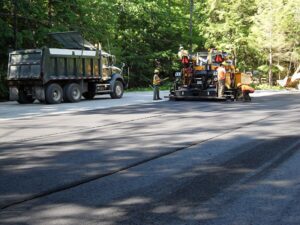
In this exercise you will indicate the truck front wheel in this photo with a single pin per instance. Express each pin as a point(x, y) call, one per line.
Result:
point(118, 90)
point(54, 94)
point(72, 92)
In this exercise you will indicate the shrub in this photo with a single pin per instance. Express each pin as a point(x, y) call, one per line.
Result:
point(267, 87)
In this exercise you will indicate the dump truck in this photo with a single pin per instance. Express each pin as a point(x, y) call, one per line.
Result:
point(55, 75)
point(197, 78)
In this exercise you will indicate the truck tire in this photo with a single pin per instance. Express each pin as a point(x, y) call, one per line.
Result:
point(90, 94)
point(24, 98)
point(54, 94)
point(72, 92)
point(118, 90)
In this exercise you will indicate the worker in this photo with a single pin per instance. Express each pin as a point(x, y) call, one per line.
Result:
point(243, 92)
point(221, 79)
point(186, 66)
point(184, 57)
point(156, 84)
point(187, 75)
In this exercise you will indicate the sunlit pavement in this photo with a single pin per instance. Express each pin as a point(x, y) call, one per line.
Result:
point(11, 110)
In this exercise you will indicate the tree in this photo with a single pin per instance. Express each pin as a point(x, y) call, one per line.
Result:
point(228, 27)
point(275, 33)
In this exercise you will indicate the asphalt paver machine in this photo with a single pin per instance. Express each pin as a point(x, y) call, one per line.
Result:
point(197, 78)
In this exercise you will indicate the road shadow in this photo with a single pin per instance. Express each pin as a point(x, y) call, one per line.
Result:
point(40, 167)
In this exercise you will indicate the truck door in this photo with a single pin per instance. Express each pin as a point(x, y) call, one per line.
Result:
point(106, 68)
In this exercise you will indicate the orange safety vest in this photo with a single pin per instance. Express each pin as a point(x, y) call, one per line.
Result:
point(156, 80)
point(247, 88)
point(221, 73)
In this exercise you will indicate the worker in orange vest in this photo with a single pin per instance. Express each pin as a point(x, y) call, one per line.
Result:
point(243, 92)
point(156, 84)
point(221, 79)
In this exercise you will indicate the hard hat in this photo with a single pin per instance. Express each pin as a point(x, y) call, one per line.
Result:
point(181, 47)
point(156, 71)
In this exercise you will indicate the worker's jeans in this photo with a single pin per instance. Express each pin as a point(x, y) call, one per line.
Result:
point(246, 96)
point(243, 95)
point(221, 88)
point(155, 92)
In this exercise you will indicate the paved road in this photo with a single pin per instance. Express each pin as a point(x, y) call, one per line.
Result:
point(153, 163)
point(13, 110)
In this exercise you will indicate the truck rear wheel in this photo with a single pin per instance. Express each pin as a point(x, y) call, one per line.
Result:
point(90, 94)
point(118, 90)
point(54, 94)
point(24, 98)
point(72, 92)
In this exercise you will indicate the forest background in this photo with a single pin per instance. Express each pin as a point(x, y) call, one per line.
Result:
point(262, 34)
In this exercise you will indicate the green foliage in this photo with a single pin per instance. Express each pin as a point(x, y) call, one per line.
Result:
point(267, 87)
point(165, 87)
point(275, 68)
point(275, 33)
point(228, 26)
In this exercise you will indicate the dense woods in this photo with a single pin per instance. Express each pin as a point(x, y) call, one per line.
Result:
point(262, 34)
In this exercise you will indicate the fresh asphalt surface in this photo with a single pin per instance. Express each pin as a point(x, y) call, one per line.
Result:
point(135, 161)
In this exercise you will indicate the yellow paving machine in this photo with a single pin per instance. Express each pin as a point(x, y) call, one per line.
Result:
point(198, 79)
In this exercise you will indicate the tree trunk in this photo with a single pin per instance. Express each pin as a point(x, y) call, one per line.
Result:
point(270, 68)
point(234, 52)
point(14, 2)
point(191, 24)
point(291, 58)
point(270, 49)
point(297, 70)
point(50, 13)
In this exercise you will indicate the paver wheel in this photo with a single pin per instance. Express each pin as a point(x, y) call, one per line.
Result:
point(54, 94)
